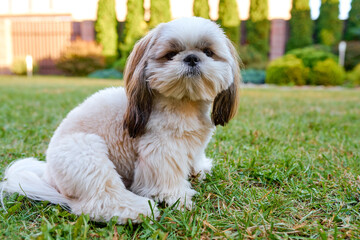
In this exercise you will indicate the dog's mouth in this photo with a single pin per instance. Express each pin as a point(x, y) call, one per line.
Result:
point(192, 72)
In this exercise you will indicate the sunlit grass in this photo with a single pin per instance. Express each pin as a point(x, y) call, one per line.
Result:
point(286, 167)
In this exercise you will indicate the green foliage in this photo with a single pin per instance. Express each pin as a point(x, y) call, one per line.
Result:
point(352, 31)
point(119, 64)
point(312, 55)
point(352, 54)
point(326, 73)
point(18, 66)
point(320, 66)
point(328, 25)
point(106, 29)
point(106, 74)
point(201, 8)
point(258, 26)
point(353, 77)
point(253, 76)
point(134, 29)
point(81, 58)
point(286, 167)
point(251, 58)
point(229, 20)
point(287, 70)
point(159, 12)
point(301, 25)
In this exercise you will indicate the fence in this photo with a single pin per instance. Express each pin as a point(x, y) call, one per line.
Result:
point(43, 40)
point(45, 36)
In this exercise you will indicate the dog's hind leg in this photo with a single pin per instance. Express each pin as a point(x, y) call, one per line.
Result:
point(79, 167)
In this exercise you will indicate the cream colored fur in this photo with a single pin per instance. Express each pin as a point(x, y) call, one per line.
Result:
point(94, 167)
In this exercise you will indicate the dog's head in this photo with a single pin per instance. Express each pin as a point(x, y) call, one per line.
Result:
point(188, 58)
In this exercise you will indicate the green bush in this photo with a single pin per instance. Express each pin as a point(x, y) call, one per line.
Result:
point(18, 66)
point(312, 55)
point(301, 25)
point(328, 25)
point(106, 29)
point(201, 8)
point(159, 12)
point(353, 77)
point(134, 29)
point(252, 58)
point(229, 20)
point(352, 31)
point(253, 76)
point(258, 26)
point(119, 64)
point(81, 58)
point(106, 74)
point(319, 67)
point(327, 73)
point(287, 70)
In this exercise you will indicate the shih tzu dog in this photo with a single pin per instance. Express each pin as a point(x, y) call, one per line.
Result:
point(122, 149)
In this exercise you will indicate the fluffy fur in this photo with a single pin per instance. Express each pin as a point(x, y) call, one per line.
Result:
point(122, 149)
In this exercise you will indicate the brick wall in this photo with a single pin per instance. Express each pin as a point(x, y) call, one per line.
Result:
point(278, 38)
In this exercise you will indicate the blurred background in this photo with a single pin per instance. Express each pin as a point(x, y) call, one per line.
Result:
point(291, 42)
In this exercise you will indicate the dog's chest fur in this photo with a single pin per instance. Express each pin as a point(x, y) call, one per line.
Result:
point(179, 127)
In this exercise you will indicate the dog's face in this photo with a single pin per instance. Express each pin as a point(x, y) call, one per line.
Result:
point(188, 58)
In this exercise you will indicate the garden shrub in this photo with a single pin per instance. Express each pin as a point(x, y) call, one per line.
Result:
point(159, 12)
point(251, 58)
point(328, 25)
point(201, 8)
point(119, 64)
point(287, 70)
point(81, 58)
point(229, 20)
point(18, 66)
point(301, 25)
point(258, 26)
point(135, 28)
point(311, 55)
point(106, 74)
point(253, 76)
point(353, 77)
point(352, 31)
point(327, 73)
point(106, 29)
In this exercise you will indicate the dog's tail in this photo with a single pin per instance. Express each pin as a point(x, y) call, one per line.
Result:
point(26, 177)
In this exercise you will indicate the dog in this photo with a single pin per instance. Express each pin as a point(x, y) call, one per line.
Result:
point(122, 150)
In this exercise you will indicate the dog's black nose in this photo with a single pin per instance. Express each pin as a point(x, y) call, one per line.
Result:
point(192, 60)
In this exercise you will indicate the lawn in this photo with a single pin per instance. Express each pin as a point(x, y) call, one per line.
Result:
point(288, 166)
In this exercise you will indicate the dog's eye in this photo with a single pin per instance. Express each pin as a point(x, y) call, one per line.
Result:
point(170, 55)
point(208, 52)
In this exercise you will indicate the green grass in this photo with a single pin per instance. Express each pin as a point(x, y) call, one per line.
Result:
point(287, 166)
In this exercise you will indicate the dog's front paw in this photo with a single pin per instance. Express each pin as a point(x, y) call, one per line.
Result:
point(181, 199)
point(201, 168)
point(136, 209)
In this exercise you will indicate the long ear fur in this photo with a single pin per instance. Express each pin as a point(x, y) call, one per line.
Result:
point(226, 102)
point(138, 92)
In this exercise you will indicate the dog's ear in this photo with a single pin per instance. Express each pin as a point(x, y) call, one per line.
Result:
point(226, 102)
point(139, 94)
